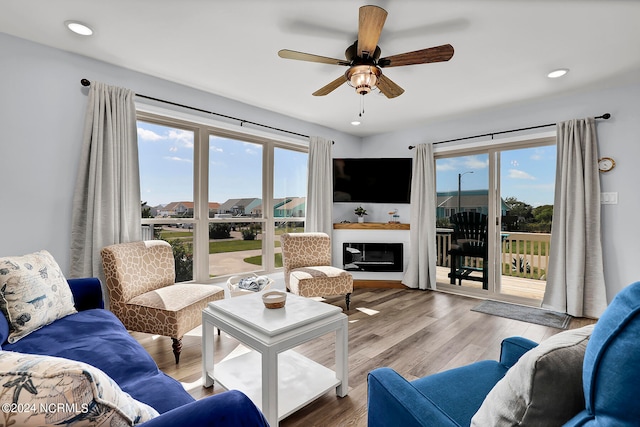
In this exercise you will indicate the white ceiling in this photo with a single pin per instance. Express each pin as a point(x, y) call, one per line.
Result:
point(503, 50)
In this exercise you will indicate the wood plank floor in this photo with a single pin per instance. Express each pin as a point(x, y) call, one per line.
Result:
point(417, 333)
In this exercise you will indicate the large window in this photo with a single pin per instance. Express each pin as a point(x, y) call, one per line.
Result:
point(220, 198)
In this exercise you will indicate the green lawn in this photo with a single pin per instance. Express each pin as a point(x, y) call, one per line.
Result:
point(235, 246)
point(175, 234)
point(257, 260)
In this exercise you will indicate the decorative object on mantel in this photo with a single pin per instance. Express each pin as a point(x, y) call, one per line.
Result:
point(360, 212)
point(394, 218)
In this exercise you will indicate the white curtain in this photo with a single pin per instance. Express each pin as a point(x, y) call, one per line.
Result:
point(575, 280)
point(421, 271)
point(319, 216)
point(106, 204)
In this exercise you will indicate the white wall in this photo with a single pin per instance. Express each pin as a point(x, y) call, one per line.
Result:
point(619, 137)
point(42, 108)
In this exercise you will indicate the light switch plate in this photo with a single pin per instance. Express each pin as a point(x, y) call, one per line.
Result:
point(609, 198)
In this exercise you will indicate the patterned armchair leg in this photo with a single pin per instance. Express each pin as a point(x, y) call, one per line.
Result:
point(177, 348)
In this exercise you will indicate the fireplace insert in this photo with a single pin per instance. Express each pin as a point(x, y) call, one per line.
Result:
point(372, 257)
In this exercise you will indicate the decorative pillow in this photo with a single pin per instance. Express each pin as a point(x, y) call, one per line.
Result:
point(543, 388)
point(33, 293)
point(44, 390)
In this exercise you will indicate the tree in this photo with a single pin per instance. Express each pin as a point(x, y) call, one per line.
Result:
point(543, 213)
point(146, 210)
point(520, 209)
point(219, 231)
point(183, 255)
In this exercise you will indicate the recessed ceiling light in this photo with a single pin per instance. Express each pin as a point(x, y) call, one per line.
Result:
point(79, 28)
point(558, 73)
point(355, 122)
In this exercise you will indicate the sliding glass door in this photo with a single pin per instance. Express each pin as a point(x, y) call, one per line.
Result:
point(462, 187)
point(493, 219)
point(527, 177)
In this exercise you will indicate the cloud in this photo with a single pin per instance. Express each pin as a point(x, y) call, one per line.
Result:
point(442, 167)
point(173, 149)
point(473, 162)
point(216, 149)
point(538, 154)
point(518, 174)
point(177, 159)
point(184, 137)
point(149, 135)
point(251, 151)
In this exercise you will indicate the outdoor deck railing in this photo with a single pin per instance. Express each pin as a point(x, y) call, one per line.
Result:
point(523, 254)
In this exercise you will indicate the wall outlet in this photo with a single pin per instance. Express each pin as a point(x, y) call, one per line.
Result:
point(609, 198)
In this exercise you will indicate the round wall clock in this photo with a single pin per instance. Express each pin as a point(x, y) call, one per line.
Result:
point(605, 164)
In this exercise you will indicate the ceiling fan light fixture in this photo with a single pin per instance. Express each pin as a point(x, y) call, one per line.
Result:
point(363, 78)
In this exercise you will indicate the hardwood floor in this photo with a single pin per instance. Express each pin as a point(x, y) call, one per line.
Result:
point(417, 333)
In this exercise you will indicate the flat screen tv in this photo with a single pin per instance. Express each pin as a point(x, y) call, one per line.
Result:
point(372, 180)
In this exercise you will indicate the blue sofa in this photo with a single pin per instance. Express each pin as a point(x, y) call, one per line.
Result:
point(608, 376)
point(96, 337)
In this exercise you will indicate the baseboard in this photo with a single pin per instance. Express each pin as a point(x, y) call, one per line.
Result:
point(386, 284)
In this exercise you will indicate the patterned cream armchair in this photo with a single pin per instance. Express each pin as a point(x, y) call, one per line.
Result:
point(307, 267)
point(142, 294)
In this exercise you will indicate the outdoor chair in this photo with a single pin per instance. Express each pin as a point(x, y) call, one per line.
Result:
point(306, 258)
point(142, 294)
point(468, 247)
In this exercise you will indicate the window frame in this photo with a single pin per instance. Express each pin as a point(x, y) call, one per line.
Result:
point(202, 128)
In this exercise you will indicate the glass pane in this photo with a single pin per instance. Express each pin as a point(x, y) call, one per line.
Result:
point(166, 171)
point(462, 185)
point(289, 194)
point(180, 236)
point(235, 178)
point(527, 179)
point(235, 191)
point(234, 248)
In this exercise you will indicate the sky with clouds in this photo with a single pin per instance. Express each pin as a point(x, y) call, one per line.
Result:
point(527, 174)
point(235, 167)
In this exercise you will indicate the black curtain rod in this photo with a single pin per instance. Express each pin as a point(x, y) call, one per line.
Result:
point(86, 82)
point(605, 116)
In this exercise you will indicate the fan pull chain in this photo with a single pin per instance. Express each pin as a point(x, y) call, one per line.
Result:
point(361, 106)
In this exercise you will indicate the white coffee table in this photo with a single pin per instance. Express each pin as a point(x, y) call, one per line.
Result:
point(277, 379)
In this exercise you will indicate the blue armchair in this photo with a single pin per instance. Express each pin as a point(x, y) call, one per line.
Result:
point(448, 398)
point(610, 379)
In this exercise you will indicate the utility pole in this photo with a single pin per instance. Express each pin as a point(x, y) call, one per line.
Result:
point(459, 188)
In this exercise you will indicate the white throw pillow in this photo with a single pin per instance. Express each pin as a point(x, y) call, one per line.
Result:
point(44, 390)
point(33, 293)
point(544, 388)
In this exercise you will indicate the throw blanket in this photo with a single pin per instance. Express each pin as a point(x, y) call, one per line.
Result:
point(253, 283)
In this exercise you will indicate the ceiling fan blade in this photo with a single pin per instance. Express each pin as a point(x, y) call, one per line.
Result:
point(423, 56)
point(370, 26)
point(388, 87)
point(301, 56)
point(330, 87)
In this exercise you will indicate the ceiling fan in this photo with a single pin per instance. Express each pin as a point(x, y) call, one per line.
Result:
point(363, 58)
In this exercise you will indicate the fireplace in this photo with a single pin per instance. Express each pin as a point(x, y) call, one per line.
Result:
point(372, 256)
